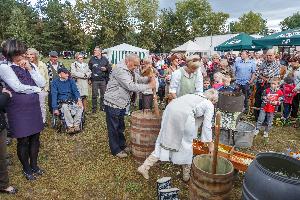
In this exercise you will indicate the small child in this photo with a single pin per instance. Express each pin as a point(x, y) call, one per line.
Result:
point(227, 87)
point(206, 84)
point(218, 77)
point(271, 99)
point(288, 96)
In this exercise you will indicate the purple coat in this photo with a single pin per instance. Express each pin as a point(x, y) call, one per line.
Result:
point(24, 111)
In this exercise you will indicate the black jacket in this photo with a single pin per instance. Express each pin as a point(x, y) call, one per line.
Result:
point(95, 65)
point(4, 98)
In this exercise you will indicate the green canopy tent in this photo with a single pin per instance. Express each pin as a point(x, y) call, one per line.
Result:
point(289, 37)
point(240, 42)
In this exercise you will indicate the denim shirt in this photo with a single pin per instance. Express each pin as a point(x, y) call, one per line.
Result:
point(243, 71)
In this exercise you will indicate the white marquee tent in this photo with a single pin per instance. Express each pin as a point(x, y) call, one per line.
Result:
point(188, 47)
point(117, 53)
point(208, 43)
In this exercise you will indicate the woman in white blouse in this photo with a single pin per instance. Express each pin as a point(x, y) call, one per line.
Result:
point(179, 126)
point(187, 79)
point(33, 57)
point(81, 72)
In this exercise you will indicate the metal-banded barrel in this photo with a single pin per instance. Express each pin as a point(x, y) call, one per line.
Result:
point(145, 127)
point(207, 186)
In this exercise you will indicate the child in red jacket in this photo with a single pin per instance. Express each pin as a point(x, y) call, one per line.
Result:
point(288, 95)
point(271, 99)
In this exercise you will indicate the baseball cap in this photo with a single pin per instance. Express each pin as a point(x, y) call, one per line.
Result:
point(62, 69)
point(53, 53)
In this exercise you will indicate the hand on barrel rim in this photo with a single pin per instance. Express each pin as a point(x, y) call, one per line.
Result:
point(210, 148)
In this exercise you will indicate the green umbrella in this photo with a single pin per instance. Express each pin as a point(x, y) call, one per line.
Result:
point(289, 37)
point(242, 41)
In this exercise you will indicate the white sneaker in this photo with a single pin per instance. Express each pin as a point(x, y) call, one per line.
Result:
point(256, 132)
point(186, 169)
point(127, 150)
point(266, 134)
point(121, 154)
point(144, 172)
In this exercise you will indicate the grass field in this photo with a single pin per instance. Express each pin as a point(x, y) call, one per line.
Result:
point(81, 166)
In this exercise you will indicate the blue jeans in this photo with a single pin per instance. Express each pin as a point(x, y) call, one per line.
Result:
point(261, 118)
point(286, 110)
point(115, 126)
point(246, 91)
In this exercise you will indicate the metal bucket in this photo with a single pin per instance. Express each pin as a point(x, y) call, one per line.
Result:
point(244, 134)
point(207, 186)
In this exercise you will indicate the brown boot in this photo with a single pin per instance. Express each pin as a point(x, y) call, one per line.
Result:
point(70, 129)
point(85, 103)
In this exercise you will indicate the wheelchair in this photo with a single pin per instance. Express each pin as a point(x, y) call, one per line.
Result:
point(58, 121)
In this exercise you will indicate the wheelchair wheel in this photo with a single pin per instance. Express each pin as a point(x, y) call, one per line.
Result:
point(82, 121)
point(54, 121)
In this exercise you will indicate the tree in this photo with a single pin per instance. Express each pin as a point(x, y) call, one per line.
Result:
point(145, 13)
point(78, 39)
point(108, 22)
point(196, 18)
point(54, 32)
point(291, 22)
point(6, 9)
point(165, 31)
point(251, 23)
point(18, 27)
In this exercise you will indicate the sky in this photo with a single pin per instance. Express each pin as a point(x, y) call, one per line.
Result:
point(274, 11)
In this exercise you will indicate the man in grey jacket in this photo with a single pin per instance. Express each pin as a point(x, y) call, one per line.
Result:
point(121, 85)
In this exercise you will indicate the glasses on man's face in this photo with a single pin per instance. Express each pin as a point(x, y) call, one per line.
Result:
point(80, 57)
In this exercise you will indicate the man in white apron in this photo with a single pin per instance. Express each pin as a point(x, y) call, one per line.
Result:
point(179, 126)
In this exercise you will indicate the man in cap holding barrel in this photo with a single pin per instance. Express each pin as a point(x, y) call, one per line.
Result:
point(122, 83)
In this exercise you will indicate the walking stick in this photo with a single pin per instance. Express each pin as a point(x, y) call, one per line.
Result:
point(216, 143)
point(155, 103)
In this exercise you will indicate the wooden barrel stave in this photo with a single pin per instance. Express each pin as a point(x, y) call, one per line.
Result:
point(145, 127)
point(207, 186)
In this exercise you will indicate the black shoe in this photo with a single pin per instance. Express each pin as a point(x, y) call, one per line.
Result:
point(29, 177)
point(38, 172)
point(12, 191)
point(93, 111)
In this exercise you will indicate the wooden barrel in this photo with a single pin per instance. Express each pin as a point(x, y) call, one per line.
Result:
point(207, 186)
point(145, 127)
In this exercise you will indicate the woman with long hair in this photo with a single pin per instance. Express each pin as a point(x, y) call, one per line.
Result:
point(24, 111)
point(33, 57)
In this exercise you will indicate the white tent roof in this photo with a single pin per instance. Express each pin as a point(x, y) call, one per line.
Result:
point(189, 46)
point(118, 53)
point(126, 47)
point(208, 43)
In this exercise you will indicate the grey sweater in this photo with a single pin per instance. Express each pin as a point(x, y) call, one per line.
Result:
point(121, 85)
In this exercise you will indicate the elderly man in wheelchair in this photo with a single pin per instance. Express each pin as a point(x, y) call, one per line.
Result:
point(66, 101)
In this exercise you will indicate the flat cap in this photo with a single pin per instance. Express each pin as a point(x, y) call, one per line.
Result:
point(53, 53)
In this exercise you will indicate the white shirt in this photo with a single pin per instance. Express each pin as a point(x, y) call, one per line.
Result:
point(9, 77)
point(176, 77)
point(200, 113)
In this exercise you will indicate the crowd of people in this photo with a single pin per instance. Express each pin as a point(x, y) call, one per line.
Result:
point(187, 89)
